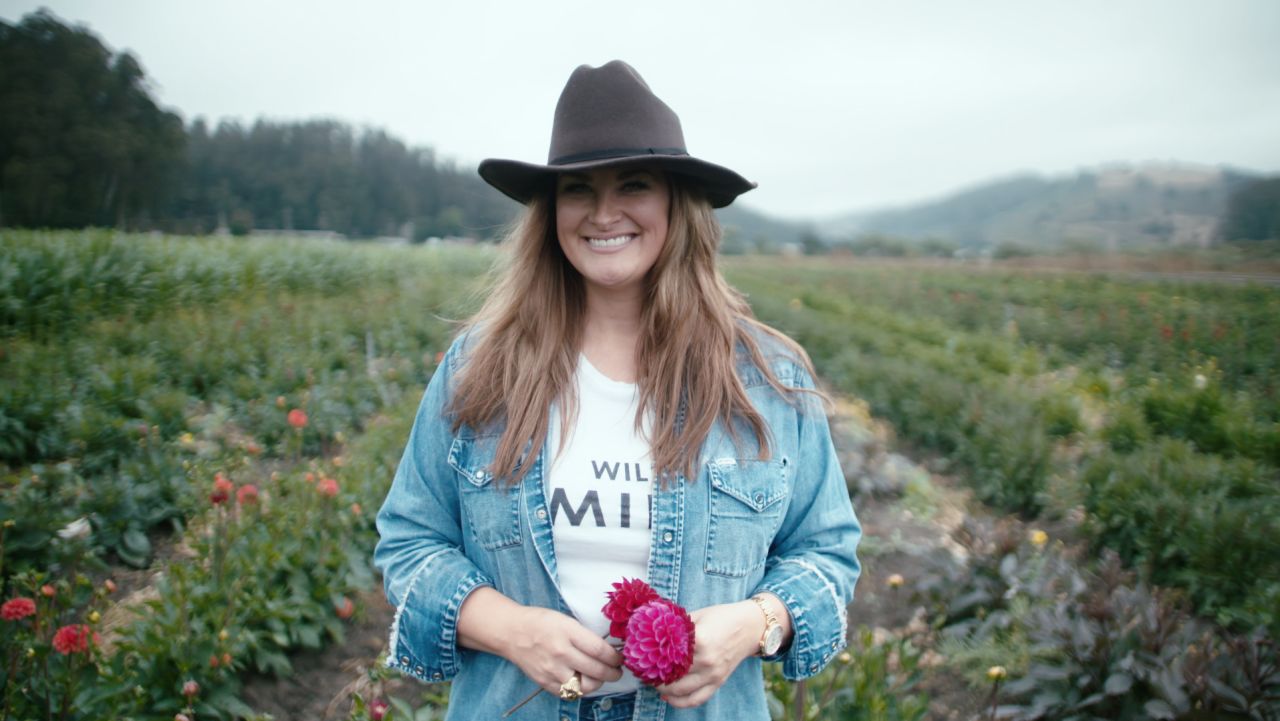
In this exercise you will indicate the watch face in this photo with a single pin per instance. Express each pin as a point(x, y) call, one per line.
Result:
point(772, 640)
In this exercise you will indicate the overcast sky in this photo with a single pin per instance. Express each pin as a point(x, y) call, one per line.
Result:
point(830, 106)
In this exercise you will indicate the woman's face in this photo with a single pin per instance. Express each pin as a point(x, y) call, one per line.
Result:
point(612, 223)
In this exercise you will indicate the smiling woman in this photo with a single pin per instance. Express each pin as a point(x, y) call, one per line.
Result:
point(614, 411)
point(612, 224)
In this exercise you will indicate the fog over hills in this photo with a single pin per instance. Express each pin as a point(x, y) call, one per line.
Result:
point(1110, 207)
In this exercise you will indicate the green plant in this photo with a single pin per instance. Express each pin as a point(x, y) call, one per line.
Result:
point(874, 680)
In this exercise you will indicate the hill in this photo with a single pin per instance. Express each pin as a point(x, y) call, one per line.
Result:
point(1113, 207)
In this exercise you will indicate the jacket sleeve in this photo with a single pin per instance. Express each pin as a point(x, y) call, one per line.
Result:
point(425, 574)
point(812, 565)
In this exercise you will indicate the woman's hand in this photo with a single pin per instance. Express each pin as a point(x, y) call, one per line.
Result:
point(548, 646)
point(725, 635)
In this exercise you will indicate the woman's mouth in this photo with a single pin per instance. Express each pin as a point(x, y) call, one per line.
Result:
point(611, 242)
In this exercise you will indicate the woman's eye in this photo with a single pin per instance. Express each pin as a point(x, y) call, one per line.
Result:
point(574, 188)
point(634, 186)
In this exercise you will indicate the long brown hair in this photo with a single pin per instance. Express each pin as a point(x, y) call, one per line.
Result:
point(529, 331)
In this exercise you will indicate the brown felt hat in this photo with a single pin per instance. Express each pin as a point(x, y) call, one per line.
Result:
point(608, 116)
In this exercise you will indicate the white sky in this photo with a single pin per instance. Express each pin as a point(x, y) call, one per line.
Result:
point(830, 106)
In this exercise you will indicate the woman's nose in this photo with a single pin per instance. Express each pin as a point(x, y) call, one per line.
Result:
point(606, 210)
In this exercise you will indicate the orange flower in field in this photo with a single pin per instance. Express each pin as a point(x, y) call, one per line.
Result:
point(298, 418)
point(248, 493)
point(345, 609)
point(75, 638)
point(213, 661)
point(47, 591)
point(222, 489)
point(311, 477)
point(356, 510)
point(109, 585)
point(226, 659)
point(327, 487)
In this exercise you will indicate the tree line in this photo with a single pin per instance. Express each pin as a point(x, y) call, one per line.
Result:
point(83, 143)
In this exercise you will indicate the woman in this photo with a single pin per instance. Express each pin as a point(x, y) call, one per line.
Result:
point(614, 411)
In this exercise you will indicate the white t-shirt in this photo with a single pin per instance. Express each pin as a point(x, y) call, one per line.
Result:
point(599, 489)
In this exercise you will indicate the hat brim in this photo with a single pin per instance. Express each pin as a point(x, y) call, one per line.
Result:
point(523, 181)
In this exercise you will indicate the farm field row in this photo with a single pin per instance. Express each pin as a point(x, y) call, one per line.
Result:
point(186, 405)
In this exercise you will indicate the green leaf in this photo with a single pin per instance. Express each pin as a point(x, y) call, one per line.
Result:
point(1157, 709)
point(1118, 683)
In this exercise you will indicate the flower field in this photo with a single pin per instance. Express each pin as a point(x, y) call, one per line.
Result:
point(226, 414)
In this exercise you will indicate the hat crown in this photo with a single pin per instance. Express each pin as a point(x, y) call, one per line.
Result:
point(609, 112)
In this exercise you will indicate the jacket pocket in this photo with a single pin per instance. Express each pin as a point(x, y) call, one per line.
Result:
point(747, 505)
point(491, 511)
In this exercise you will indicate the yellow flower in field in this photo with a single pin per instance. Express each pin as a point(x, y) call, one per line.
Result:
point(94, 617)
point(895, 581)
point(845, 657)
point(223, 635)
point(1038, 538)
point(187, 439)
point(339, 461)
point(31, 652)
point(997, 673)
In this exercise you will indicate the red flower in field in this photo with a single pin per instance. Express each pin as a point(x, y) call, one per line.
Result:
point(345, 608)
point(356, 509)
point(248, 493)
point(222, 489)
point(327, 487)
point(190, 689)
point(627, 596)
point(75, 638)
point(213, 661)
point(311, 477)
point(1166, 332)
point(378, 709)
point(659, 646)
point(226, 659)
point(17, 608)
point(298, 418)
point(47, 591)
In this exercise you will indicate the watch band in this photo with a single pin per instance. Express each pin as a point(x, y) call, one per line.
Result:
point(770, 622)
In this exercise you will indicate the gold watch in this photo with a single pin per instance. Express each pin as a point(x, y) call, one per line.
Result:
point(771, 639)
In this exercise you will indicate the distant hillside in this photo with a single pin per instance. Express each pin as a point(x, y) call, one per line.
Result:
point(1112, 207)
point(749, 231)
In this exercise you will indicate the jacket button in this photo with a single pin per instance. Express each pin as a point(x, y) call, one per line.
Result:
point(421, 671)
point(606, 704)
point(542, 513)
point(437, 675)
point(404, 660)
point(759, 498)
point(813, 668)
point(479, 475)
point(667, 536)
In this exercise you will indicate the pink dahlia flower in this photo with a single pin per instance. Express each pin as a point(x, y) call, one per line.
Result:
point(630, 594)
point(659, 644)
point(17, 608)
point(74, 639)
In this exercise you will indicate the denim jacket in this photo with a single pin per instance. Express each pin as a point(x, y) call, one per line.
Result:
point(742, 526)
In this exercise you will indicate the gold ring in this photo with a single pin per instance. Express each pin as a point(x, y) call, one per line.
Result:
point(571, 690)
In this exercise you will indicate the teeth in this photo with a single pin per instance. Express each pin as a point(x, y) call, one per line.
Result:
point(609, 242)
